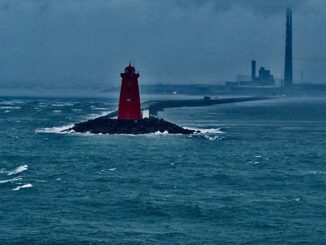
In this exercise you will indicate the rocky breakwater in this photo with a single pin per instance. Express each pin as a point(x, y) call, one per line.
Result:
point(106, 125)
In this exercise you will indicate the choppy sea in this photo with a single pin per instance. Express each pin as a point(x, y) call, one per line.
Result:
point(256, 176)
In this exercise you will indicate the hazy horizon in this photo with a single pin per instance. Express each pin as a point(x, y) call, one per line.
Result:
point(86, 44)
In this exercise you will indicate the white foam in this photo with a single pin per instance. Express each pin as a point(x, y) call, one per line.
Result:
point(59, 104)
point(10, 107)
point(54, 130)
point(161, 133)
point(212, 138)
point(58, 130)
point(11, 180)
point(102, 114)
point(253, 162)
point(99, 109)
point(112, 169)
point(207, 130)
point(316, 172)
point(41, 105)
point(57, 111)
point(22, 187)
point(18, 170)
point(61, 130)
point(12, 102)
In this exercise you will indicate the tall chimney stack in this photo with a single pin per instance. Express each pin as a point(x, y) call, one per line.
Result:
point(288, 69)
point(253, 70)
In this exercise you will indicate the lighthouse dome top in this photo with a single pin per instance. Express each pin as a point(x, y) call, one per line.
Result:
point(130, 69)
point(130, 72)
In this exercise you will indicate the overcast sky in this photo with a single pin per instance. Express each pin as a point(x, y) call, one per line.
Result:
point(55, 43)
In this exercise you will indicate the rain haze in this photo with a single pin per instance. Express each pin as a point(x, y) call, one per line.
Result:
point(162, 122)
point(86, 44)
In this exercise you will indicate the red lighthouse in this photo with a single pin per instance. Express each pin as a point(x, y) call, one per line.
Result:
point(129, 102)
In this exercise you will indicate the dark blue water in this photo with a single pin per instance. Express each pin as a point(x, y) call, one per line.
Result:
point(258, 176)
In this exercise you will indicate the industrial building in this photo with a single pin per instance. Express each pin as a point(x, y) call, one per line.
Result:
point(265, 76)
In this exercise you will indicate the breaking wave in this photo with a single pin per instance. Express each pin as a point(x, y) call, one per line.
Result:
point(54, 130)
point(15, 171)
point(18, 178)
point(18, 170)
point(212, 138)
point(12, 102)
point(100, 109)
point(96, 115)
point(62, 104)
point(161, 133)
point(207, 131)
point(10, 107)
point(23, 187)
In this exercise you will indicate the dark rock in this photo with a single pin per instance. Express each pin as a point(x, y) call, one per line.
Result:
point(106, 125)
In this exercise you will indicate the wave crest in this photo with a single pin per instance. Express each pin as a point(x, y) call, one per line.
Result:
point(11, 180)
point(23, 187)
point(18, 170)
point(54, 130)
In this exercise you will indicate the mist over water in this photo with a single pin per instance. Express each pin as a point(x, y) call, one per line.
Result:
point(257, 175)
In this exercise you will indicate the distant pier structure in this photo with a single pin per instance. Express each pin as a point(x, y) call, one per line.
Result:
point(288, 66)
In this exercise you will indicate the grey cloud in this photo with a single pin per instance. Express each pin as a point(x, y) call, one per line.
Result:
point(87, 42)
point(256, 6)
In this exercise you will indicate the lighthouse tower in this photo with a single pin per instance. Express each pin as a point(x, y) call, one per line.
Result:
point(129, 102)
